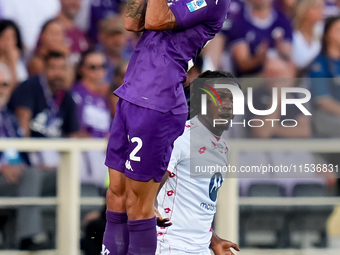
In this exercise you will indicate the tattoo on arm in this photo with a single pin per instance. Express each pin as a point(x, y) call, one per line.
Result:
point(135, 10)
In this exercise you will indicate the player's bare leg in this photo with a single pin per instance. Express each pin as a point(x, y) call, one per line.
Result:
point(140, 197)
point(115, 196)
point(116, 236)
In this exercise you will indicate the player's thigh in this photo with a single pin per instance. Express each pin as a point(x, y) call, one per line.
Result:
point(151, 136)
point(118, 143)
point(140, 197)
point(115, 160)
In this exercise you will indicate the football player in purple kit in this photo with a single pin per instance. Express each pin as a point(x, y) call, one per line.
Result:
point(151, 113)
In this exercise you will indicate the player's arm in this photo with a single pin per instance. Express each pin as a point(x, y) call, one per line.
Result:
point(159, 16)
point(135, 15)
point(222, 247)
point(175, 158)
point(162, 222)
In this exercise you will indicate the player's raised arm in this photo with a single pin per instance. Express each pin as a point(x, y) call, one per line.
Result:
point(159, 16)
point(135, 15)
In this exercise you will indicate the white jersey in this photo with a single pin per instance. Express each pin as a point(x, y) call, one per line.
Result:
point(190, 203)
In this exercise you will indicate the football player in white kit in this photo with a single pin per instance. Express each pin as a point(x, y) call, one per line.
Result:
point(186, 205)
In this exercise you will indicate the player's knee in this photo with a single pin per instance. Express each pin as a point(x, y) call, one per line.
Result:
point(137, 208)
point(114, 193)
point(116, 199)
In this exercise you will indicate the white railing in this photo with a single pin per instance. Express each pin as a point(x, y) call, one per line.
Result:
point(68, 199)
point(227, 217)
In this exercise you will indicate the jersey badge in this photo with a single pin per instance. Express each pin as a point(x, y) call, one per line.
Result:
point(196, 5)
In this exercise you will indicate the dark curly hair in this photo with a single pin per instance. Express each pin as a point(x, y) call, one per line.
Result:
point(207, 77)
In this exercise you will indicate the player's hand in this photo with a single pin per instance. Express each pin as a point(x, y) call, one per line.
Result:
point(162, 222)
point(223, 247)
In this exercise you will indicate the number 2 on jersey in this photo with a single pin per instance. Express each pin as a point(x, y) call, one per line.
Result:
point(136, 149)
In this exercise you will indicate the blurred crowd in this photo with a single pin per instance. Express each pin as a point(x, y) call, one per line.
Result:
point(60, 61)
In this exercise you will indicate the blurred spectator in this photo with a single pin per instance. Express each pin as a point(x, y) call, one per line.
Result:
point(307, 35)
point(42, 105)
point(217, 48)
point(92, 107)
point(287, 7)
point(278, 74)
point(45, 109)
point(93, 11)
point(52, 38)
point(332, 8)
point(30, 15)
point(11, 50)
point(112, 41)
point(236, 8)
point(93, 114)
point(10, 161)
point(325, 89)
point(75, 38)
point(16, 178)
point(259, 31)
point(118, 80)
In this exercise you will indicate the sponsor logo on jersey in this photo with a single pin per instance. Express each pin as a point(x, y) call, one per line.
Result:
point(202, 150)
point(209, 207)
point(128, 165)
point(104, 251)
point(215, 184)
point(172, 175)
point(167, 210)
point(196, 5)
point(170, 193)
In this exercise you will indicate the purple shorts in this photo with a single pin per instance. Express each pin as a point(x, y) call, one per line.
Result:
point(141, 141)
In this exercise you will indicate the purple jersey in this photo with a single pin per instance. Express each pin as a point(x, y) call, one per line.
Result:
point(92, 111)
point(245, 29)
point(161, 59)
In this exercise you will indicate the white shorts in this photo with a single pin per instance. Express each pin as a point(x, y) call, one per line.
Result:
point(163, 249)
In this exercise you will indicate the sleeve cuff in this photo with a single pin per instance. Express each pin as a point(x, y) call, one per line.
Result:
point(177, 16)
